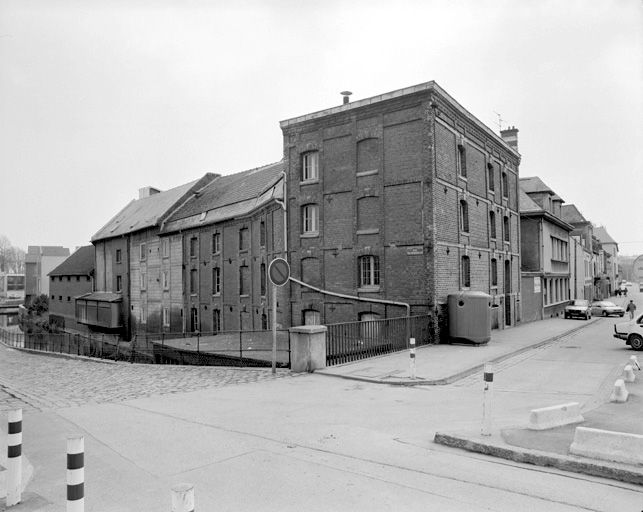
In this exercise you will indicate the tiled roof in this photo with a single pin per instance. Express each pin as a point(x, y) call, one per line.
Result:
point(534, 184)
point(229, 196)
point(570, 214)
point(601, 233)
point(80, 263)
point(527, 204)
point(149, 211)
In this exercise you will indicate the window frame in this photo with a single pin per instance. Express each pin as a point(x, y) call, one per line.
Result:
point(216, 243)
point(462, 160)
point(310, 166)
point(244, 239)
point(369, 277)
point(194, 247)
point(493, 228)
point(119, 256)
point(494, 273)
point(142, 251)
point(194, 281)
point(465, 269)
point(216, 280)
point(308, 220)
point(464, 216)
point(491, 178)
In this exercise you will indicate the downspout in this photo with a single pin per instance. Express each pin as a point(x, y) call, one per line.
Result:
point(285, 208)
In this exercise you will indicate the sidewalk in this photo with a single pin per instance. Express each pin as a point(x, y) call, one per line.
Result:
point(445, 364)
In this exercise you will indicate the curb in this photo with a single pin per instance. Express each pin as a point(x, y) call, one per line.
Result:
point(457, 376)
point(613, 471)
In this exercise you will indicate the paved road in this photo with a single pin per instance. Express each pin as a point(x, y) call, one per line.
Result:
point(40, 382)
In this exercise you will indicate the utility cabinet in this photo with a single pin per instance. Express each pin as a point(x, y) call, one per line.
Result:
point(469, 317)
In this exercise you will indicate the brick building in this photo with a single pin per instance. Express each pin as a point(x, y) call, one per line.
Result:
point(404, 197)
point(545, 251)
point(39, 261)
point(584, 233)
point(74, 277)
point(128, 260)
point(221, 242)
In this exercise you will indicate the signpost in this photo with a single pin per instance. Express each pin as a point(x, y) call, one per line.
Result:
point(279, 274)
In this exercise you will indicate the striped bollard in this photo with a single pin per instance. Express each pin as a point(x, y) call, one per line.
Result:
point(183, 498)
point(635, 362)
point(487, 399)
point(412, 356)
point(14, 457)
point(75, 474)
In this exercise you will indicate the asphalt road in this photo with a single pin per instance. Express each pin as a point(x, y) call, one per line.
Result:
point(251, 441)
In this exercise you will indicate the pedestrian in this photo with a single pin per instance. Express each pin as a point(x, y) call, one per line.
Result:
point(631, 308)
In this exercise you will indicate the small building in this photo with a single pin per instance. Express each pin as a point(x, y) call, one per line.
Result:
point(610, 253)
point(39, 261)
point(544, 251)
point(584, 233)
point(74, 277)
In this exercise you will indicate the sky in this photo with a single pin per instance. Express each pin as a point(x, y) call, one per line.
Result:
point(99, 98)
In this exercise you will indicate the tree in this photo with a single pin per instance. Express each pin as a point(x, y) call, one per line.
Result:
point(12, 259)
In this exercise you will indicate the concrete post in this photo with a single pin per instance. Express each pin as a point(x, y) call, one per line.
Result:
point(308, 348)
point(183, 498)
point(75, 474)
point(14, 457)
point(412, 357)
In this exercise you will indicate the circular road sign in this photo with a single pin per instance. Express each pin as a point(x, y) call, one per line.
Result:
point(279, 271)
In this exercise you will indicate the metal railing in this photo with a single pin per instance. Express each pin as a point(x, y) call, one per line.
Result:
point(352, 341)
point(231, 348)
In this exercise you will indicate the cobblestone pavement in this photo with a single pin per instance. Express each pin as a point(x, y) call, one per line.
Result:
point(39, 381)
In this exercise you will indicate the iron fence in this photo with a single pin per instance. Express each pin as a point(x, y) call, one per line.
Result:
point(352, 341)
point(232, 348)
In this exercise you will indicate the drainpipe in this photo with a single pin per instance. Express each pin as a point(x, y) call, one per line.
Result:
point(363, 299)
point(285, 208)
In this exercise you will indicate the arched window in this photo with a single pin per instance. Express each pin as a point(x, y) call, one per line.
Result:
point(464, 216)
point(505, 228)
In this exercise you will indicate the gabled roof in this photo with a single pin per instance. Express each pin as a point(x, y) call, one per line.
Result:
point(601, 233)
point(80, 263)
point(534, 184)
point(229, 196)
point(527, 204)
point(150, 211)
point(570, 214)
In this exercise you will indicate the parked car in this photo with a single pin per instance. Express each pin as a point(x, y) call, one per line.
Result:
point(606, 308)
point(580, 308)
point(631, 332)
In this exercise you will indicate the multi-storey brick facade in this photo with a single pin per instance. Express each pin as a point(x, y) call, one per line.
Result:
point(391, 198)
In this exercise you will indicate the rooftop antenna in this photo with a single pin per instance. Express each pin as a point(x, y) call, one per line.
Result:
point(500, 120)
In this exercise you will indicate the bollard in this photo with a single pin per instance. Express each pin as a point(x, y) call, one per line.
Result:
point(183, 498)
point(620, 393)
point(75, 474)
point(635, 363)
point(628, 374)
point(487, 399)
point(412, 356)
point(14, 457)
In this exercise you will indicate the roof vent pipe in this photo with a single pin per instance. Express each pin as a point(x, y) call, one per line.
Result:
point(346, 94)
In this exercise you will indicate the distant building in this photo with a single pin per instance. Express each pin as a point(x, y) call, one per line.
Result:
point(404, 197)
point(584, 233)
point(545, 251)
point(39, 261)
point(73, 278)
point(610, 251)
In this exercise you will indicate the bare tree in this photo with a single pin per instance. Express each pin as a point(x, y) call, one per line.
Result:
point(12, 259)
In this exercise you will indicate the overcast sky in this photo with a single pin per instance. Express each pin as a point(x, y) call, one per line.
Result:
point(99, 98)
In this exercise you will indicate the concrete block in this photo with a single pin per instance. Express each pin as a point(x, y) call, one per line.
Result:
point(628, 374)
point(620, 393)
point(555, 416)
point(308, 348)
point(608, 445)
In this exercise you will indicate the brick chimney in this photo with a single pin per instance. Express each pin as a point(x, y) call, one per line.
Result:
point(147, 192)
point(510, 136)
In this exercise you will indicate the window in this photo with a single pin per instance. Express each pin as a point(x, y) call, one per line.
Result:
point(462, 160)
point(491, 178)
point(216, 281)
point(118, 256)
point(68, 298)
point(143, 280)
point(244, 239)
point(60, 297)
point(53, 297)
point(492, 224)
point(216, 243)
point(194, 281)
point(165, 247)
point(143, 251)
point(494, 272)
point(119, 283)
point(216, 320)
point(310, 166)
point(466, 272)
point(77, 278)
point(194, 247)
point(369, 271)
point(464, 216)
point(68, 278)
point(505, 185)
point(263, 279)
point(264, 321)
point(262, 234)
point(166, 317)
point(505, 228)
point(244, 280)
point(143, 316)
point(166, 279)
point(309, 216)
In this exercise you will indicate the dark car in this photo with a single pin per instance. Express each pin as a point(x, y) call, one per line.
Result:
point(578, 308)
point(606, 308)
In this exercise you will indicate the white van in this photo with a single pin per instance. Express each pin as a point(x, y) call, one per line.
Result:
point(631, 332)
